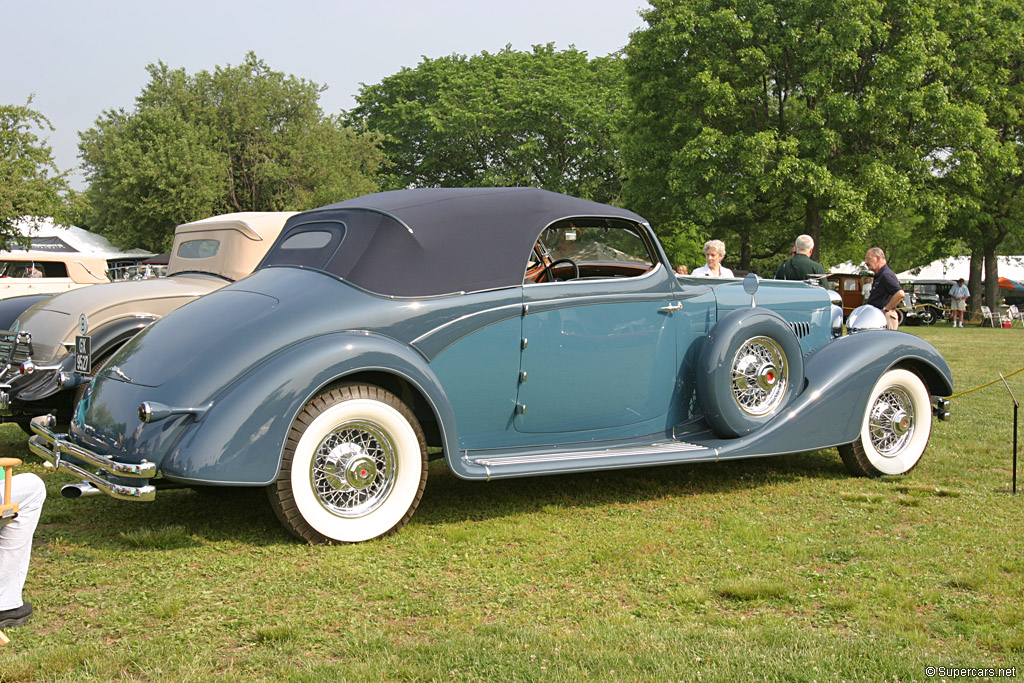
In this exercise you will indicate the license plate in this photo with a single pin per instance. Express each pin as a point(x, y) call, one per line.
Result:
point(83, 354)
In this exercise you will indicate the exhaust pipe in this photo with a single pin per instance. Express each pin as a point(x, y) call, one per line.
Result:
point(81, 490)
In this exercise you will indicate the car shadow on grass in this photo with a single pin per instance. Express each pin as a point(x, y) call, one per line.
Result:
point(449, 499)
point(181, 518)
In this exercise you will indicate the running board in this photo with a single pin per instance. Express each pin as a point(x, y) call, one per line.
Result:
point(559, 462)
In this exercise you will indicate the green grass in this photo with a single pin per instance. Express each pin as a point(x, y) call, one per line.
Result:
point(771, 569)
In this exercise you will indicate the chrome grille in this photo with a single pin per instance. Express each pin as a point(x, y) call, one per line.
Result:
point(15, 347)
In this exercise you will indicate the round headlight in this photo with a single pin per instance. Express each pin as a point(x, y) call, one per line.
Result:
point(865, 318)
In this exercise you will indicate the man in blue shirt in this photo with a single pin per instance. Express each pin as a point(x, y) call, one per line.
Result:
point(886, 293)
point(958, 301)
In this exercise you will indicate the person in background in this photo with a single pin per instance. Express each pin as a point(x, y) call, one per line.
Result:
point(682, 270)
point(958, 301)
point(886, 293)
point(16, 547)
point(799, 266)
point(714, 252)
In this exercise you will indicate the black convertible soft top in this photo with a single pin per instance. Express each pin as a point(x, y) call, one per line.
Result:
point(430, 241)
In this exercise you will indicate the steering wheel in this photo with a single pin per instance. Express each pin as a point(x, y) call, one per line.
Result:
point(546, 273)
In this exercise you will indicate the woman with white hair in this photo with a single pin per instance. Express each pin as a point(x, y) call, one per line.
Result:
point(714, 252)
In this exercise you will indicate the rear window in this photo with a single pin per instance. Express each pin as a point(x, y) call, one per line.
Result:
point(310, 245)
point(198, 248)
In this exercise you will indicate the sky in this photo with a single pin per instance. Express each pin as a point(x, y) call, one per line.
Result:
point(77, 58)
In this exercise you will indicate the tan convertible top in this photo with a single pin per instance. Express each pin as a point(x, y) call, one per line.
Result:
point(242, 240)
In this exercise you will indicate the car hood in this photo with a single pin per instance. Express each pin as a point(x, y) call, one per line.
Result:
point(54, 321)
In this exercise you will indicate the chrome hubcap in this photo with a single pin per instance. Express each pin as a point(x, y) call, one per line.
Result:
point(892, 421)
point(354, 469)
point(760, 376)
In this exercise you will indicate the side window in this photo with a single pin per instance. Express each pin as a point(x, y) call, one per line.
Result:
point(581, 249)
point(33, 269)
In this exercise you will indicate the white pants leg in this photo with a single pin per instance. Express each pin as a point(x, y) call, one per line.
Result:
point(16, 538)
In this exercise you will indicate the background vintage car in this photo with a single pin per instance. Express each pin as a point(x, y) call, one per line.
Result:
point(925, 301)
point(30, 272)
point(206, 255)
point(511, 331)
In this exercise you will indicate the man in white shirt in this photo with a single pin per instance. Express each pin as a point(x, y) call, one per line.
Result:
point(959, 294)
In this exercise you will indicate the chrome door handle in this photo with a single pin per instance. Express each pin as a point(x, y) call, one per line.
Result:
point(678, 306)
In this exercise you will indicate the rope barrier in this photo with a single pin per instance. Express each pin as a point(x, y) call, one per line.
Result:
point(995, 381)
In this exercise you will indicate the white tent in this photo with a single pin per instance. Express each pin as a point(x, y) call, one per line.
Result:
point(48, 237)
point(955, 267)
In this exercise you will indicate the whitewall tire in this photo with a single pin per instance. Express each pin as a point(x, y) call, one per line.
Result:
point(354, 467)
point(895, 429)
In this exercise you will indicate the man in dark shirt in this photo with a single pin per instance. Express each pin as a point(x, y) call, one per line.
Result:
point(800, 266)
point(886, 293)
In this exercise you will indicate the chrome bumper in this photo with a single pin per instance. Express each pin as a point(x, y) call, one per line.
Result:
point(53, 447)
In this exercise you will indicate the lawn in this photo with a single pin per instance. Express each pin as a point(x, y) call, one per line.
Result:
point(773, 569)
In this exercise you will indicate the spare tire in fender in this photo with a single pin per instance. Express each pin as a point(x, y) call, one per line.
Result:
point(749, 370)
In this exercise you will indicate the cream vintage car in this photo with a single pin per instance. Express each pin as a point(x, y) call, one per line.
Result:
point(41, 344)
point(33, 272)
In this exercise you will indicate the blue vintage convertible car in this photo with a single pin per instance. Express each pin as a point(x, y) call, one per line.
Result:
point(511, 331)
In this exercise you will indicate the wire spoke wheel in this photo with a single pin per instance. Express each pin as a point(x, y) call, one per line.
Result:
point(895, 430)
point(750, 368)
point(891, 421)
point(354, 467)
point(760, 376)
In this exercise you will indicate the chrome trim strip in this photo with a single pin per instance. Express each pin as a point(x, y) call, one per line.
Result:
point(673, 447)
point(503, 312)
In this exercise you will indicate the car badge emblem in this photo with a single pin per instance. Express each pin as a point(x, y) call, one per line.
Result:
point(83, 324)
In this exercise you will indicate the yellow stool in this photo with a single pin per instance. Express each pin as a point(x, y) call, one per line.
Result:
point(9, 509)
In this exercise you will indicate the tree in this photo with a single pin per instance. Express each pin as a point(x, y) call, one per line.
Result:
point(758, 121)
point(31, 186)
point(543, 118)
point(242, 138)
point(982, 169)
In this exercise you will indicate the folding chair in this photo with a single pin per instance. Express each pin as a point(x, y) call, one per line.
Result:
point(991, 316)
point(1014, 313)
point(8, 510)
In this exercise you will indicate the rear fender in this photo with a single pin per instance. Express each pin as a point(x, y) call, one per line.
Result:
point(43, 384)
point(112, 336)
point(11, 308)
point(240, 439)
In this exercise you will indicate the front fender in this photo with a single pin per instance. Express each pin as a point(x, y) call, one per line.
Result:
point(240, 439)
point(840, 376)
